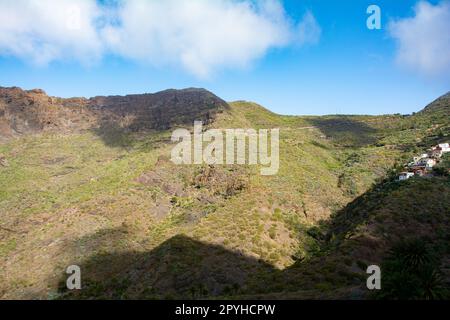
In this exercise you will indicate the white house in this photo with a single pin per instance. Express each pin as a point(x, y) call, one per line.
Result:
point(405, 176)
point(422, 156)
point(427, 163)
point(417, 159)
point(445, 147)
point(436, 152)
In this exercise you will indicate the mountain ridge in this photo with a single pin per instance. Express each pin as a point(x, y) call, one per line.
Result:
point(440, 104)
point(32, 111)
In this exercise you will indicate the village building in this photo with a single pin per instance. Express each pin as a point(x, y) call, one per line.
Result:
point(423, 165)
point(417, 159)
point(428, 163)
point(405, 176)
point(445, 147)
point(419, 171)
point(435, 152)
point(439, 150)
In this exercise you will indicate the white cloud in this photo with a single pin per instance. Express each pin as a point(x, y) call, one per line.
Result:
point(46, 30)
point(201, 36)
point(424, 40)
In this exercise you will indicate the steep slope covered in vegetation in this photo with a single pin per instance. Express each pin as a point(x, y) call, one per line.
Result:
point(108, 198)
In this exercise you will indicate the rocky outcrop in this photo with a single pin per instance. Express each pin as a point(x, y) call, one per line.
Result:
point(33, 111)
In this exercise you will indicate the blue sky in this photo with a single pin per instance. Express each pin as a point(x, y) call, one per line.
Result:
point(293, 57)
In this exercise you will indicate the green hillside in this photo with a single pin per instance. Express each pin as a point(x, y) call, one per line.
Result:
point(140, 227)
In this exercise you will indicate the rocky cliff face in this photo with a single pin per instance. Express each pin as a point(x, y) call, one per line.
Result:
point(33, 111)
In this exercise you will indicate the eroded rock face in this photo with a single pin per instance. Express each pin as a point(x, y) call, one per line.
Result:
point(26, 112)
point(33, 111)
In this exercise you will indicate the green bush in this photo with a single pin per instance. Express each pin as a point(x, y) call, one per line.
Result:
point(411, 271)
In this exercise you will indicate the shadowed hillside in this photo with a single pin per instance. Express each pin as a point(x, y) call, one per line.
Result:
point(355, 133)
point(179, 267)
point(361, 234)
